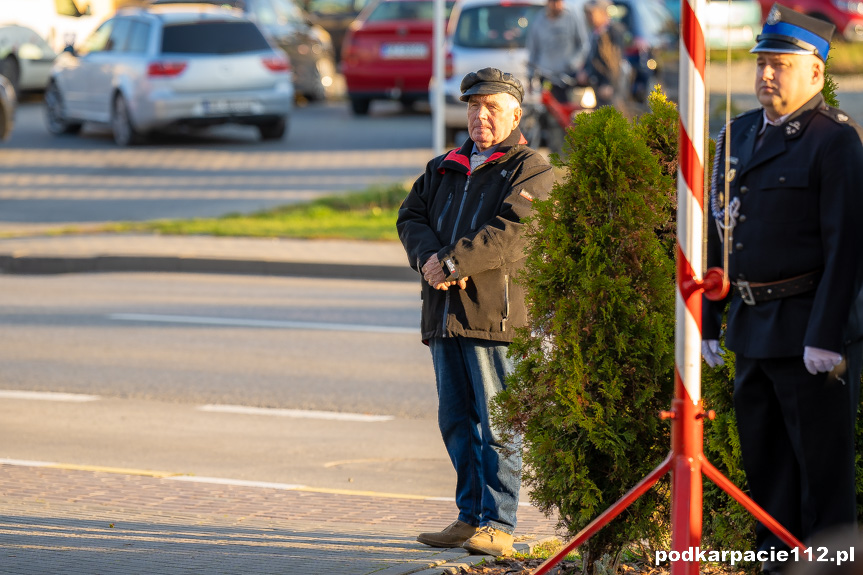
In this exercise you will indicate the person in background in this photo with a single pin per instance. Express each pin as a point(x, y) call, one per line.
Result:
point(557, 45)
point(795, 255)
point(604, 68)
point(462, 227)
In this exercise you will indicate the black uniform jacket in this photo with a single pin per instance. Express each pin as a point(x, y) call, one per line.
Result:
point(801, 210)
point(473, 222)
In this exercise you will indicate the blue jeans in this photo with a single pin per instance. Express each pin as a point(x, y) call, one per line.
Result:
point(469, 373)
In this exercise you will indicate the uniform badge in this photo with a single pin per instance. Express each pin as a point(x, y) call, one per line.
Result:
point(526, 195)
point(731, 174)
point(774, 16)
point(792, 128)
point(842, 117)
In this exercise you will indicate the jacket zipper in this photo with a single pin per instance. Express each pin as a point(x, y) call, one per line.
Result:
point(454, 232)
point(444, 211)
point(506, 302)
point(476, 213)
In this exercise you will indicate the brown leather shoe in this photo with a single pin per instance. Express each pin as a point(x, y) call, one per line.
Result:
point(453, 535)
point(490, 541)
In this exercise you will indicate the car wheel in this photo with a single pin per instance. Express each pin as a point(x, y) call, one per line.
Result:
point(55, 113)
point(317, 92)
point(124, 132)
point(274, 130)
point(360, 106)
point(10, 68)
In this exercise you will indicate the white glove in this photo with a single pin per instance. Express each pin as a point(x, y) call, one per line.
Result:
point(816, 359)
point(711, 352)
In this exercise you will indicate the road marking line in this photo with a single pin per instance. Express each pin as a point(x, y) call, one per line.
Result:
point(295, 413)
point(195, 320)
point(47, 395)
point(167, 475)
point(94, 468)
point(236, 482)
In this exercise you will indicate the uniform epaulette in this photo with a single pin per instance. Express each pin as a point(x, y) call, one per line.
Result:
point(835, 114)
point(746, 113)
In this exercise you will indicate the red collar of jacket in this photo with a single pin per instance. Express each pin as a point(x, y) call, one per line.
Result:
point(459, 159)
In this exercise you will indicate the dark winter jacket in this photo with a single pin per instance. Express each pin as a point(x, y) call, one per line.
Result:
point(474, 223)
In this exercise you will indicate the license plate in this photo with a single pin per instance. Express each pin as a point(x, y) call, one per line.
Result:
point(216, 107)
point(407, 51)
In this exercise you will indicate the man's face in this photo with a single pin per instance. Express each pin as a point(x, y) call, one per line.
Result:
point(598, 17)
point(491, 118)
point(554, 8)
point(784, 82)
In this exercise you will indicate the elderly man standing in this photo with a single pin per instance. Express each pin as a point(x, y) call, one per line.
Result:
point(794, 253)
point(462, 228)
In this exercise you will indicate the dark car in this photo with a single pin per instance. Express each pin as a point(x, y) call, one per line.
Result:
point(846, 16)
point(335, 16)
point(7, 108)
point(308, 45)
point(651, 28)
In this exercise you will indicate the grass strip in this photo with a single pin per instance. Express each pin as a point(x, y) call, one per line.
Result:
point(366, 215)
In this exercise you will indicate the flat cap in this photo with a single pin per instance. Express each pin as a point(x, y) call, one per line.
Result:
point(790, 32)
point(491, 81)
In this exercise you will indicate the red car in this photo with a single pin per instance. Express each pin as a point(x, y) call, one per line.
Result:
point(846, 15)
point(387, 52)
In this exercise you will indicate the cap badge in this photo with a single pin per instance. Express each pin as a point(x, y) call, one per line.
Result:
point(792, 128)
point(774, 16)
point(842, 117)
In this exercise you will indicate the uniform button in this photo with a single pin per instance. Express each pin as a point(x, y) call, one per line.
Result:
point(738, 246)
point(741, 218)
point(781, 179)
point(744, 189)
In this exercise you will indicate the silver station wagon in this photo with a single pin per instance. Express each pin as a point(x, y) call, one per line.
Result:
point(155, 68)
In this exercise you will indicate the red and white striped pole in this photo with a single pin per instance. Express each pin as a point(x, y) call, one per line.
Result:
point(686, 413)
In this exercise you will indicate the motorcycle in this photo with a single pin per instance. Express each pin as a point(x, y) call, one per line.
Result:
point(545, 119)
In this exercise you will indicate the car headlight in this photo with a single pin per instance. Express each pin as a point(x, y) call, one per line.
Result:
point(846, 6)
point(588, 99)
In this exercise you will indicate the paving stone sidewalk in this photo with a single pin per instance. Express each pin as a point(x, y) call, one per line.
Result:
point(57, 521)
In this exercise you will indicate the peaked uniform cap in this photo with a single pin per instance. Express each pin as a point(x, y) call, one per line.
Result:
point(491, 81)
point(789, 32)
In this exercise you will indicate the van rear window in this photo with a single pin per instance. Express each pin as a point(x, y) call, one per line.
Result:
point(495, 26)
point(212, 38)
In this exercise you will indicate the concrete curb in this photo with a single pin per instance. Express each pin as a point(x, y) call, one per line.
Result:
point(11, 264)
point(83, 253)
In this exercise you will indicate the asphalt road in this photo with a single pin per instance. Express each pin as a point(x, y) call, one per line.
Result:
point(87, 179)
point(299, 343)
point(287, 380)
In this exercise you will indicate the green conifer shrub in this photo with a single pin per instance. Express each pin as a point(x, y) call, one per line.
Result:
point(596, 364)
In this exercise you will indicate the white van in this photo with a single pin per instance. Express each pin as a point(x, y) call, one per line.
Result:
point(59, 22)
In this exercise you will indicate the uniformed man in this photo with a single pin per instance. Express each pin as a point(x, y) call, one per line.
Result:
point(795, 241)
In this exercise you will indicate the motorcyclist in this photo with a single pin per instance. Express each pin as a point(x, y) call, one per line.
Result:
point(557, 45)
point(604, 68)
